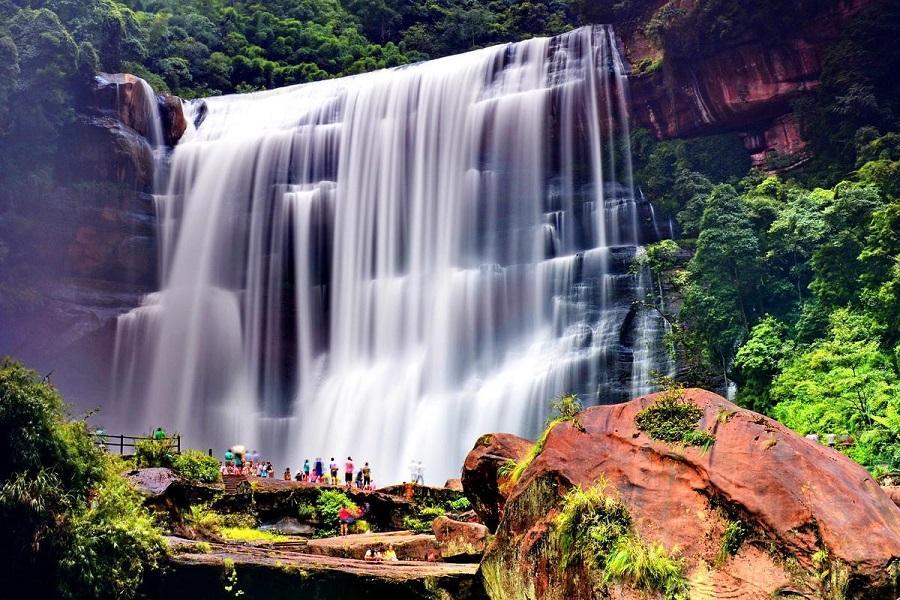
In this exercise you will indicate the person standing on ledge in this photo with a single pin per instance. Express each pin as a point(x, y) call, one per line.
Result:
point(420, 474)
point(348, 473)
point(159, 434)
point(333, 467)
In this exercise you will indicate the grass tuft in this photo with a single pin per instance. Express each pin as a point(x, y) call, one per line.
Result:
point(673, 420)
point(595, 528)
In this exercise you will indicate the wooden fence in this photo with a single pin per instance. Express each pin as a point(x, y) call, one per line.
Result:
point(128, 442)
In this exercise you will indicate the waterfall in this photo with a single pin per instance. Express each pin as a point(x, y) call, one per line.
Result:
point(391, 264)
point(151, 115)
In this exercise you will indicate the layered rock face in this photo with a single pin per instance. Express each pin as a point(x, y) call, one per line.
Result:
point(746, 86)
point(84, 249)
point(816, 523)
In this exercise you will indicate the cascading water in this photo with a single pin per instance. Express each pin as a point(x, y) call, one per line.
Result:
point(392, 264)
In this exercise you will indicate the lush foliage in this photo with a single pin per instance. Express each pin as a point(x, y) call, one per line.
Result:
point(459, 505)
point(594, 528)
point(424, 517)
point(328, 505)
point(150, 453)
point(793, 293)
point(192, 464)
point(74, 527)
point(205, 522)
point(197, 465)
point(790, 285)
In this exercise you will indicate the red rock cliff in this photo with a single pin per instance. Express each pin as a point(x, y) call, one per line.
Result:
point(746, 85)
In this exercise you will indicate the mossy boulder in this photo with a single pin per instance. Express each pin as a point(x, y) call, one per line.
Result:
point(759, 512)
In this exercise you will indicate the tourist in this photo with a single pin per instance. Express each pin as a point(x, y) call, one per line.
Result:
point(298, 476)
point(259, 468)
point(159, 434)
point(359, 479)
point(377, 555)
point(348, 472)
point(346, 518)
point(306, 469)
point(420, 474)
point(390, 555)
point(287, 474)
point(224, 468)
point(263, 470)
point(319, 469)
point(369, 555)
point(333, 467)
point(366, 476)
point(271, 469)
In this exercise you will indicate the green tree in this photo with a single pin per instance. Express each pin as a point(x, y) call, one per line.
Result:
point(720, 300)
point(843, 384)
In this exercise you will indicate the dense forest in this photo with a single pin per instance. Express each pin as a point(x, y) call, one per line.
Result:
point(787, 285)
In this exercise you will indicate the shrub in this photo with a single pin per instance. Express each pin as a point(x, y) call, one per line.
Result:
point(328, 505)
point(673, 420)
point(73, 525)
point(151, 453)
point(245, 520)
point(421, 522)
point(197, 465)
point(361, 526)
point(417, 524)
point(205, 522)
point(306, 512)
point(203, 547)
point(461, 504)
point(566, 408)
point(112, 544)
point(589, 525)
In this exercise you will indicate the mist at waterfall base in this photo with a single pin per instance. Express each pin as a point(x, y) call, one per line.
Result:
point(389, 265)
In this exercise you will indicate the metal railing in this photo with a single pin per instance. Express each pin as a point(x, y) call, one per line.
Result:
point(123, 442)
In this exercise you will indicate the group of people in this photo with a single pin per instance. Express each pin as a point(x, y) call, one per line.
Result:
point(416, 472)
point(317, 473)
point(389, 555)
point(240, 462)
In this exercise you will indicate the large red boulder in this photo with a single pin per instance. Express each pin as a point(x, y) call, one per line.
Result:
point(480, 477)
point(460, 540)
point(817, 523)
